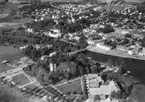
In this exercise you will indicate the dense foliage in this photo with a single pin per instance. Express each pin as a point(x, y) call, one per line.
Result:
point(77, 66)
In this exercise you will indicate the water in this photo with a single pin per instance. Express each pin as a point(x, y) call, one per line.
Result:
point(137, 67)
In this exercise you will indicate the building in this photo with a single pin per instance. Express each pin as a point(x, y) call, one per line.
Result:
point(55, 33)
point(104, 47)
point(100, 90)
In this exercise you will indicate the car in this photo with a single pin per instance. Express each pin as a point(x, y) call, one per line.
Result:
point(5, 61)
point(23, 89)
point(43, 94)
point(37, 91)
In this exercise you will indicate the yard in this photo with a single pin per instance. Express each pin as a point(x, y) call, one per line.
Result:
point(8, 53)
point(21, 79)
point(72, 87)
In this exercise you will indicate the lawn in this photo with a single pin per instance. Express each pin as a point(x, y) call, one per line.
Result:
point(13, 23)
point(21, 79)
point(72, 87)
point(8, 53)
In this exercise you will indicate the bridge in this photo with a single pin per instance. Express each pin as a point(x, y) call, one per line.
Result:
point(81, 50)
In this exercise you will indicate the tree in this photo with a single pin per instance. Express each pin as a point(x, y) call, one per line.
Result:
point(68, 93)
point(119, 62)
point(110, 63)
point(97, 98)
point(121, 65)
point(81, 70)
point(83, 43)
point(94, 69)
point(67, 76)
point(73, 68)
point(108, 29)
point(143, 42)
point(138, 93)
point(116, 95)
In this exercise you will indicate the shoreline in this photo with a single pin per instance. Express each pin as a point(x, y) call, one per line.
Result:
point(117, 54)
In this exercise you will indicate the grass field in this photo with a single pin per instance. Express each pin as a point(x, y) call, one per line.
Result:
point(72, 87)
point(21, 79)
point(8, 53)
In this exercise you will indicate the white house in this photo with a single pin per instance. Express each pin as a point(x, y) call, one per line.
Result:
point(55, 33)
point(103, 47)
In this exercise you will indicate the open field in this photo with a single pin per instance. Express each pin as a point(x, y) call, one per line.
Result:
point(13, 23)
point(71, 87)
point(21, 79)
point(8, 53)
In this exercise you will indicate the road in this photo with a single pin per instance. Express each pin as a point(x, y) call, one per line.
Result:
point(75, 52)
point(15, 70)
point(116, 52)
point(70, 81)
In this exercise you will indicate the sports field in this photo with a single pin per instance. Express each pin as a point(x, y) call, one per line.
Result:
point(8, 53)
point(21, 79)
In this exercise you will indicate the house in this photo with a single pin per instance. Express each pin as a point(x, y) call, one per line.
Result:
point(55, 33)
point(98, 89)
point(103, 47)
point(91, 42)
point(52, 67)
point(63, 66)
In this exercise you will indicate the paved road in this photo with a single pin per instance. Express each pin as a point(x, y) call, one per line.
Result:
point(15, 70)
point(68, 82)
point(74, 52)
point(19, 68)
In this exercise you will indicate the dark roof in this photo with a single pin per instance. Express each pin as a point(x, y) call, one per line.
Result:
point(62, 66)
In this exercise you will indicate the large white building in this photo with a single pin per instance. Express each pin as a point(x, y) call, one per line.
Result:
point(98, 89)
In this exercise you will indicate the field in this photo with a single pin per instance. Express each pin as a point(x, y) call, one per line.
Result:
point(8, 53)
point(72, 87)
point(12, 23)
point(21, 79)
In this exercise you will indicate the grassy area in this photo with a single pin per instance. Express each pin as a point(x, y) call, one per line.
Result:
point(8, 53)
point(12, 20)
point(20, 97)
point(72, 87)
point(21, 79)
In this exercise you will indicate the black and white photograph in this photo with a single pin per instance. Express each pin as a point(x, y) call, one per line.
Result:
point(72, 50)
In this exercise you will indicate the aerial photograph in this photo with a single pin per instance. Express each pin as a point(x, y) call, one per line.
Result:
point(72, 50)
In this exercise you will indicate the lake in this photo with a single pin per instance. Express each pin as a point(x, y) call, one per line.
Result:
point(137, 67)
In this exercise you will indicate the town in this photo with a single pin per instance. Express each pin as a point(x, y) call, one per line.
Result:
point(44, 45)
